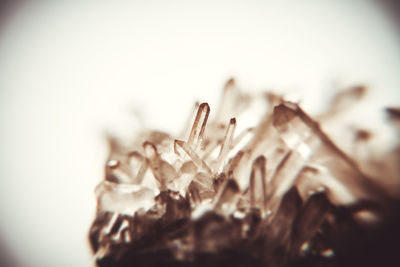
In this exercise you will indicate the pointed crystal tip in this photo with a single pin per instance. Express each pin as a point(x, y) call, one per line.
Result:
point(283, 113)
point(230, 83)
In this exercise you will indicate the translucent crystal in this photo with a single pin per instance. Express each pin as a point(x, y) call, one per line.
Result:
point(303, 134)
point(124, 199)
point(117, 172)
point(279, 230)
point(138, 166)
point(181, 145)
point(278, 193)
point(258, 187)
point(309, 219)
point(163, 172)
point(226, 144)
point(225, 201)
point(199, 125)
point(343, 100)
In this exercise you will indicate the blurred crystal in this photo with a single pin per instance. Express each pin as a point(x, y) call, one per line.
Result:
point(304, 135)
point(258, 187)
point(343, 100)
point(123, 198)
point(225, 201)
point(226, 144)
point(279, 230)
point(309, 219)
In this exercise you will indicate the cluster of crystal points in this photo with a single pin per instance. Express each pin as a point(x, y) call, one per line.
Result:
point(274, 194)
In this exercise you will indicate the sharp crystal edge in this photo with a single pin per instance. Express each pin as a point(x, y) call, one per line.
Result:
point(278, 193)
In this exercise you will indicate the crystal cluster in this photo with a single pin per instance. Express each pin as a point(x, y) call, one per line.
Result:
point(277, 193)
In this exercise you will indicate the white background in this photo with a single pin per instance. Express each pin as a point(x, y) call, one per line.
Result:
point(68, 71)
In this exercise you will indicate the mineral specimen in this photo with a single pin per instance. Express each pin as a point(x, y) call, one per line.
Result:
point(278, 193)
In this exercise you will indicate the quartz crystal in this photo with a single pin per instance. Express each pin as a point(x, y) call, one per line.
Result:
point(279, 192)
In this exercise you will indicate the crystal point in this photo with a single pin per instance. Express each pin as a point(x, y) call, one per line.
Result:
point(199, 125)
point(226, 144)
